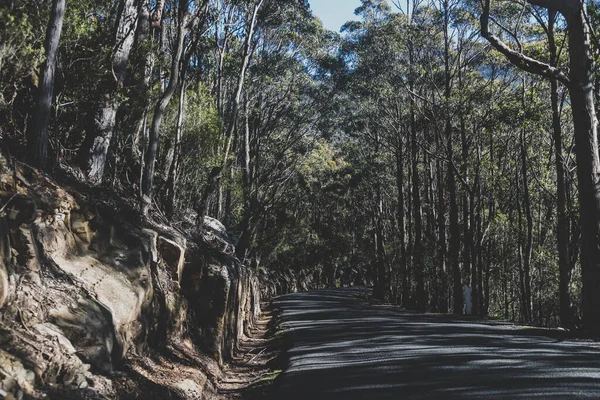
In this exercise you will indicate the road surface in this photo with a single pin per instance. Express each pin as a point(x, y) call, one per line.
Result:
point(343, 348)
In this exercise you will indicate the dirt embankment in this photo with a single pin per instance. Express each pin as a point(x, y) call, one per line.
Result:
point(93, 305)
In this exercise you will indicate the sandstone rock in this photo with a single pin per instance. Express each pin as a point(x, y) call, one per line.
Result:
point(14, 376)
point(188, 389)
point(90, 330)
point(80, 226)
point(215, 235)
point(4, 287)
point(151, 237)
point(23, 243)
point(173, 255)
point(215, 226)
point(54, 331)
point(78, 290)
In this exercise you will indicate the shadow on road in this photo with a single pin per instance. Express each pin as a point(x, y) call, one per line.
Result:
point(343, 348)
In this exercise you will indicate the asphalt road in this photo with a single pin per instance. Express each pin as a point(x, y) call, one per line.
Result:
point(343, 348)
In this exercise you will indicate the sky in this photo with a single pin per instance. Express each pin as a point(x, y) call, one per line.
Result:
point(334, 13)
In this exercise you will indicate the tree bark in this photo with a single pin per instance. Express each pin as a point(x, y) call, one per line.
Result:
point(401, 223)
point(163, 102)
point(454, 242)
point(466, 208)
point(97, 142)
point(170, 187)
point(588, 163)
point(442, 281)
point(214, 176)
point(381, 289)
point(39, 136)
point(562, 225)
point(526, 244)
point(247, 188)
point(418, 267)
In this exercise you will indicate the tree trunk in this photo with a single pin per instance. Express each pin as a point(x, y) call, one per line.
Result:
point(442, 282)
point(454, 235)
point(418, 267)
point(401, 223)
point(156, 18)
point(466, 207)
point(39, 136)
point(588, 163)
point(472, 253)
point(172, 176)
point(566, 316)
point(454, 244)
point(381, 289)
point(526, 243)
point(152, 150)
point(214, 176)
point(97, 142)
point(247, 182)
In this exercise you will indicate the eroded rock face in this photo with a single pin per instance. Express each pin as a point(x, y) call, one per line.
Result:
point(81, 294)
point(173, 254)
point(82, 284)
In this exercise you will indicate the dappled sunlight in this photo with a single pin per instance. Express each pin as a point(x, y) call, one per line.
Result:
point(345, 348)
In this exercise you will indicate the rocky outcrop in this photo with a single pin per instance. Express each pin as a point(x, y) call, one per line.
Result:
point(94, 303)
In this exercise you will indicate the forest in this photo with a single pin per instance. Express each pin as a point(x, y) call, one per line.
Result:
point(443, 151)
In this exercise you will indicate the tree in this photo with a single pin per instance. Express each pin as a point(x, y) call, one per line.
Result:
point(39, 136)
point(247, 52)
point(98, 139)
point(183, 27)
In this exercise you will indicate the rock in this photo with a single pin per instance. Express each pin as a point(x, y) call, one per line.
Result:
point(14, 377)
point(79, 288)
point(216, 226)
point(80, 226)
point(5, 256)
point(23, 243)
point(90, 330)
point(215, 235)
point(173, 255)
point(189, 389)
point(149, 244)
point(4, 288)
point(55, 332)
point(7, 181)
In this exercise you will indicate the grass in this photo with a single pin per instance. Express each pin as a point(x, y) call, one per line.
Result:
point(271, 376)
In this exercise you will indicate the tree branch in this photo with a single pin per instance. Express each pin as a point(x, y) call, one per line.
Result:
point(517, 58)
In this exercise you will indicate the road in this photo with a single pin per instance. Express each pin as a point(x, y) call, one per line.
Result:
point(344, 348)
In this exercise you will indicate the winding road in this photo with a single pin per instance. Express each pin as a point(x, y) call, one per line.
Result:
point(344, 348)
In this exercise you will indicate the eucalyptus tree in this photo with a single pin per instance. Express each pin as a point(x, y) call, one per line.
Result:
point(250, 20)
point(99, 136)
point(39, 135)
point(192, 21)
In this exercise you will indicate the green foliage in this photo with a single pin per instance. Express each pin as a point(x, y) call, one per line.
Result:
point(21, 52)
point(201, 135)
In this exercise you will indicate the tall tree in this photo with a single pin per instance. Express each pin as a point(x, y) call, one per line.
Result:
point(98, 138)
point(247, 52)
point(39, 135)
point(183, 19)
